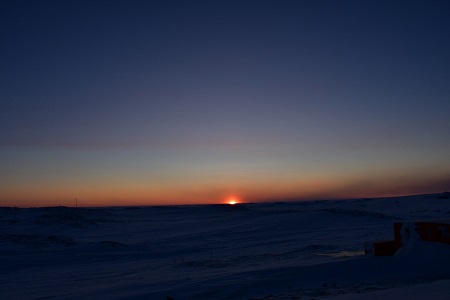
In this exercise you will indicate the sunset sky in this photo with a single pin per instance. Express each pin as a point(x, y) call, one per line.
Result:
point(183, 102)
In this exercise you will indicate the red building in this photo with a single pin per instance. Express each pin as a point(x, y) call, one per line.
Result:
point(429, 230)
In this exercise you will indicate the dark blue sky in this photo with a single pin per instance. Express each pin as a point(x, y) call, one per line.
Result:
point(193, 101)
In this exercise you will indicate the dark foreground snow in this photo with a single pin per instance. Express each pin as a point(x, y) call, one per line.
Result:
point(301, 250)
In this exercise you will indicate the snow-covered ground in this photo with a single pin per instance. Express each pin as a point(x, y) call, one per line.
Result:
point(296, 250)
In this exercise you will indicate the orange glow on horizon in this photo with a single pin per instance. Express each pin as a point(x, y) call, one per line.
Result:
point(113, 192)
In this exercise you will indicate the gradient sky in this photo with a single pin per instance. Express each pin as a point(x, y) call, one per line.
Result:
point(179, 102)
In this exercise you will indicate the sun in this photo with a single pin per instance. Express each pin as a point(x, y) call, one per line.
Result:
point(233, 201)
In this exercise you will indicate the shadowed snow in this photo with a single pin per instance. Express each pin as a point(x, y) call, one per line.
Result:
point(245, 251)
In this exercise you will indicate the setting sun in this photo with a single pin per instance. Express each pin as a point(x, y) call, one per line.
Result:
point(232, 201)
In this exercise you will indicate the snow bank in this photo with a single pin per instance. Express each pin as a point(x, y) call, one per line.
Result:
point(286, 250)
